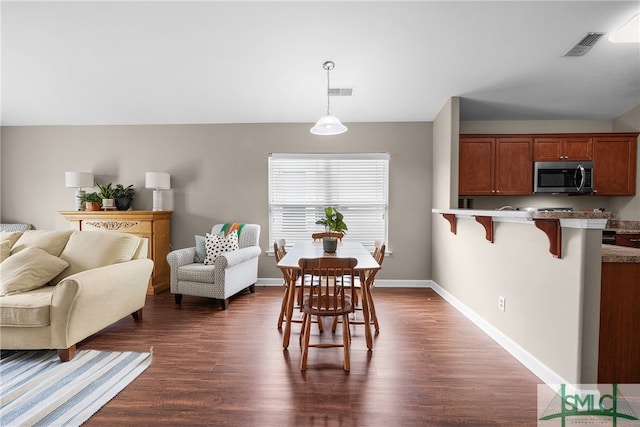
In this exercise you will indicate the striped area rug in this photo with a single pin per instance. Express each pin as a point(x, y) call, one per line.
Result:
point(36, 389)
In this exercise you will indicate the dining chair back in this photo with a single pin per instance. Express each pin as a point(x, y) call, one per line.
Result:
point(327, 294)
point(319, 236)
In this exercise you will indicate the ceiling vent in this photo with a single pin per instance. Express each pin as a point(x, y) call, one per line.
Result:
point(583, 45)
point(340, 91)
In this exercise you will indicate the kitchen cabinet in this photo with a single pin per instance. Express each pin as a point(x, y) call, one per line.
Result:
point(155, 226)
point(619, 347)
point(614, 164)
point(495, 166)
point(549, 149)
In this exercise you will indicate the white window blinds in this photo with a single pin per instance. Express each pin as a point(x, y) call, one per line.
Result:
point(302, 185)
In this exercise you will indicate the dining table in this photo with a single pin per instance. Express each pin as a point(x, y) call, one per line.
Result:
point(365, 269)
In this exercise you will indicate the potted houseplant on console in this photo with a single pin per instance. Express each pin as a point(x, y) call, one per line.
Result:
point(333, 222)
point(123, 196)
point(107, 195)
point(93, 201)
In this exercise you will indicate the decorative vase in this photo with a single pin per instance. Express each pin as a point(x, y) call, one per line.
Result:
point(123, 203)
point(329, 244)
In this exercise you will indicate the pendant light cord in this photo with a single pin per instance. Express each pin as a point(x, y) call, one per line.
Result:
point(328, 86)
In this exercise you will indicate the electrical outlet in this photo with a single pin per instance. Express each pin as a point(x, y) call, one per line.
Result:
point(501, 303)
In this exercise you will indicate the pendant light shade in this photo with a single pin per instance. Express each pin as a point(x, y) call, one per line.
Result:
point(328, 125)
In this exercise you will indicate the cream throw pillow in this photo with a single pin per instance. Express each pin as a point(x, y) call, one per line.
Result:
point(51, 241)
point(29, 269)
point(87, 250)
point(5, 250)
point(11, 236)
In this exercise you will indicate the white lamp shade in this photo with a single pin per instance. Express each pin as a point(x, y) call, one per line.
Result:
point(157, 180)
point(78, 179)
point(328, 125)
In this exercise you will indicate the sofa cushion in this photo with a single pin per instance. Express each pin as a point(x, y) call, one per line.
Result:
point(196, 272)
point(28, 309)
point(51, 241)
point(11, 236)
point(5, 250)
point(86, 250)
point(28, 269)
point(216, 245)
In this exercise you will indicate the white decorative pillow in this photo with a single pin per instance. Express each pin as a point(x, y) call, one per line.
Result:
point(28, 269)
point(217, 245)
point(5, 250)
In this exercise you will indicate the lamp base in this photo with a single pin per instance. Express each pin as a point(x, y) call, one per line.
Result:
point(157, 200)
point(80, 205)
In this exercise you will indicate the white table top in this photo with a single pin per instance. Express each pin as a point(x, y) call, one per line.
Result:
point(313, 249)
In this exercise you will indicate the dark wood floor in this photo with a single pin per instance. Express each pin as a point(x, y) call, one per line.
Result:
point(429, 366)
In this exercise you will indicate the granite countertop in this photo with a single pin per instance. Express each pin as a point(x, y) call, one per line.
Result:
point(571, 215)
point(621, 254)
point(623, 227)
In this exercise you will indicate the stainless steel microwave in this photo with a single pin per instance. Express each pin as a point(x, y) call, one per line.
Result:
point(563, 177)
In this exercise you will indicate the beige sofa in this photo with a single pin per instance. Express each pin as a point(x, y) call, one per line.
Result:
point(59, 287)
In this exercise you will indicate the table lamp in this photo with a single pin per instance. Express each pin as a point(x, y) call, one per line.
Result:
point(78, 180)
point(158, 181)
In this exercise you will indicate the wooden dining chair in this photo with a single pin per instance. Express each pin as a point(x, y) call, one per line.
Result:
point(324, 295)
point(319, 236)
point(378, 255)
point(279, 250)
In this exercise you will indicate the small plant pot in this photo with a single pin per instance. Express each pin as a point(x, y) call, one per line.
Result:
point(108, 204)
point(123, 203)
point(94, 206)
point(329, 245)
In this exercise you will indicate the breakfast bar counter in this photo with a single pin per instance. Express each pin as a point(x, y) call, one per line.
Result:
point(550, 222)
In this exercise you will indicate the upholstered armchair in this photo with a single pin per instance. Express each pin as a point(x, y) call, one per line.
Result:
point(195, 271)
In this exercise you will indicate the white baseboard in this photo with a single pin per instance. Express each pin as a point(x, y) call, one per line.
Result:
point(386, 283)
point(538, 368)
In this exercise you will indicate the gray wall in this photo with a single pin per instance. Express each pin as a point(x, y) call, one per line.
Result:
point(218, 174)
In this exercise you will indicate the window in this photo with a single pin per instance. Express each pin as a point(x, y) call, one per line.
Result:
point(302, 185)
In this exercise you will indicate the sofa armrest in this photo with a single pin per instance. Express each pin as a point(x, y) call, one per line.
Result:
point(86, 302)
point(230, 259)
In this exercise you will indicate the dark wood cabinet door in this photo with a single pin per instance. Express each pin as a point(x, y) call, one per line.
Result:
point(513, 170)
point(631, 240)
point(614, 165)
point(547, 149)
point(476, 166)
point(554, 149)
point(579, 148)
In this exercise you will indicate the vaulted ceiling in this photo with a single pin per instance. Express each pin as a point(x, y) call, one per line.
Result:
point(153, 62)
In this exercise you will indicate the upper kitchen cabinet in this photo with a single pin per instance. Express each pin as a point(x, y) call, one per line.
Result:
point(495, 166)
point(614, 164)
point(550, 149)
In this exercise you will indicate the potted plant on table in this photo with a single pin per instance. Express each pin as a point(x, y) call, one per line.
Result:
point(123, 196)
point(107, 195)
point(333, 221)
point(93, 201)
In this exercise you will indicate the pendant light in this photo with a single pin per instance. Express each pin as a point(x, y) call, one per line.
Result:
point(328, 125)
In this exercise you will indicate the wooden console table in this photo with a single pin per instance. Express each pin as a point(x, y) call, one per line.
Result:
point(154, 225)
